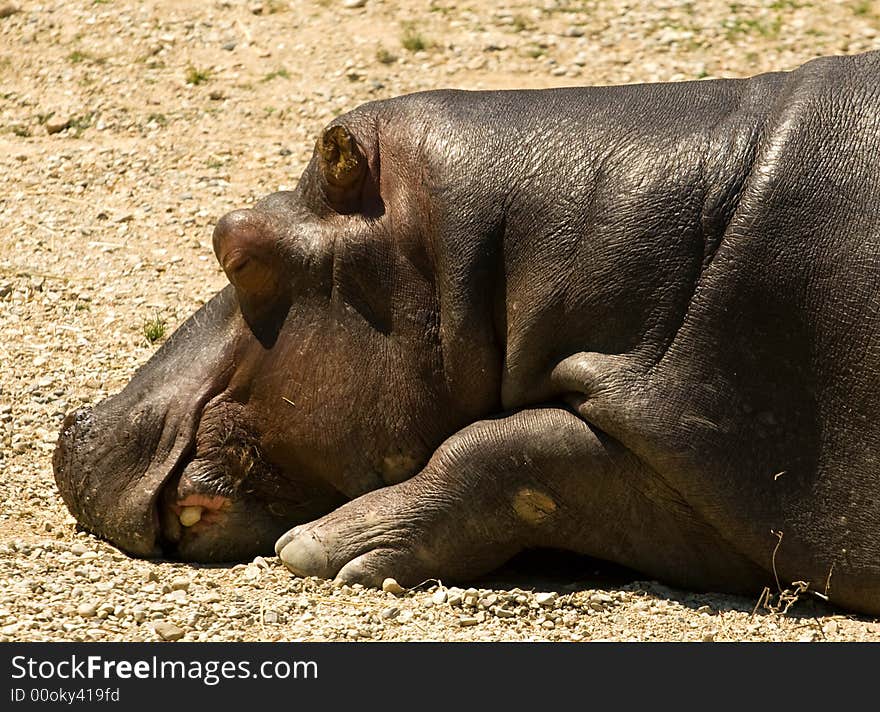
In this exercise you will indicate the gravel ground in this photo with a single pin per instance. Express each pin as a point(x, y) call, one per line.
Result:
point(128, 128)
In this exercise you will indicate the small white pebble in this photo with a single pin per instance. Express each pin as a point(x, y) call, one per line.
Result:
point(390, 585)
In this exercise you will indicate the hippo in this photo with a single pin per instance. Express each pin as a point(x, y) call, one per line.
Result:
point(640, 323)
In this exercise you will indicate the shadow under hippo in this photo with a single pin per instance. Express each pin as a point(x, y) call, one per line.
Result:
point(640, 323)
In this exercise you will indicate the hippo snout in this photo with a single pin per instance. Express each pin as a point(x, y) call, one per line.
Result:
point(71, 460)
point(98, 459)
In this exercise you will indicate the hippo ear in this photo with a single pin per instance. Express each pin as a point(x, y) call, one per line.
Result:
point(343, 168)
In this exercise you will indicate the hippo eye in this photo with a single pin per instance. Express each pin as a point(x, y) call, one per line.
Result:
point(343, 167)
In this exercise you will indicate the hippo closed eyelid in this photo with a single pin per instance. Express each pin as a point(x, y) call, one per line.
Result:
point(248, 245)
point(242, 238)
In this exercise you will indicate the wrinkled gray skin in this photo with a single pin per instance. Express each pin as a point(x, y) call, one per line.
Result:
point(640, 323)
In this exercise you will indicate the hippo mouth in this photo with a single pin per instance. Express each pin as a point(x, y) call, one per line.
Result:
point(199, 510)
point(215, 501)
point(196, 502)
point(233, 505)
point(182, 517)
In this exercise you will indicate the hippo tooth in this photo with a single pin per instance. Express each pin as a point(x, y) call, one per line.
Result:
point(190, 515)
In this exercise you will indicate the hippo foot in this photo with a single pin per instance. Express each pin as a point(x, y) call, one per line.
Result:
point(364, 541)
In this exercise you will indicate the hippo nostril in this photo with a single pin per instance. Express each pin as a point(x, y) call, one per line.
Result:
point(77, 419)
point(75, 424)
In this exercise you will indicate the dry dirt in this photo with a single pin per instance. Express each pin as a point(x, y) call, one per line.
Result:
point(128, 128)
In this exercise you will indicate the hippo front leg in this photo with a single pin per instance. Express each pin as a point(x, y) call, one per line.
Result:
point(491, 490)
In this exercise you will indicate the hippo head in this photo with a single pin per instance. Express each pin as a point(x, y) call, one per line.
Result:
point(318, 374)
